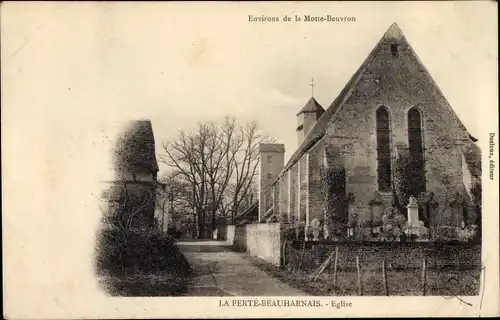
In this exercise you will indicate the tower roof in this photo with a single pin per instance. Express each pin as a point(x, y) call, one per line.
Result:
point(311, 106)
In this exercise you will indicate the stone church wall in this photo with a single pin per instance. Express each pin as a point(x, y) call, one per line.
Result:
point(292, 186)
point(283, 196)
point(398, 83)
point(302, 164)
point(359, 161)
point(315, 196)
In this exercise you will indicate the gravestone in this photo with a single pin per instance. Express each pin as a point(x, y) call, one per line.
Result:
point(315, 228)
point(376, 209)
point(412, 212)
point(326, 233)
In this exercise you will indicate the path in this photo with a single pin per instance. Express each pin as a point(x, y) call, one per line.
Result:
point(218, 271)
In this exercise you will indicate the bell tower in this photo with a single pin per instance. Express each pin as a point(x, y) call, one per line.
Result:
point(308, 115)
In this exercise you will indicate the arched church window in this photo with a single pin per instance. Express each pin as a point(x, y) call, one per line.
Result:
point(416, 150)
point(383, 149)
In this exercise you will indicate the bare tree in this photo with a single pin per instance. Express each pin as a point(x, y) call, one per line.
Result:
point(219, 161)
point(244, 164)
point(175, 198)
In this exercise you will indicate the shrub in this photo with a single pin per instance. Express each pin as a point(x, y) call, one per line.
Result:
point(365, 224)
point(467, 234)
point(283, 218)
point(289, 232)
point(174, 233)
point(122, 253)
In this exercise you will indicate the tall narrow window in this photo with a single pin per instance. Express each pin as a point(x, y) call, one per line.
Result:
point(383, 149)
point(416, 148)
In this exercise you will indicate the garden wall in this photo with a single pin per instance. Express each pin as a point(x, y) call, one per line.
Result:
point(261, 240)
point(240, 239)
point(229, 232)
point(395, 254)
point(265, 240)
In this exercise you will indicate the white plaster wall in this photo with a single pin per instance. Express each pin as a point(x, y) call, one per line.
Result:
point(263, 241)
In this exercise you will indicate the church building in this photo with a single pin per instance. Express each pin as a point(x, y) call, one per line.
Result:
point(390, 135)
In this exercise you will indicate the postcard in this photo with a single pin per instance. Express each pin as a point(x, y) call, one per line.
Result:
point(249, 160)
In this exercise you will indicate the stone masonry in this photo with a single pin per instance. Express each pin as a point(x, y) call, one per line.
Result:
point(345, 135)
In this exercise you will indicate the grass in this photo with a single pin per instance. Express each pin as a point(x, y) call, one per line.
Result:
point(403, 282)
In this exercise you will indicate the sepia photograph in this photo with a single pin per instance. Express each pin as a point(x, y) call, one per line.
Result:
point(381, 197)
point(276, 159)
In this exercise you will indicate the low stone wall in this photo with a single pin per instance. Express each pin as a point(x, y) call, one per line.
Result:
point(395, 254)
point(240, 239)
point(222, 232)
point(229, 232)
point(265, 240)
point(261, 240)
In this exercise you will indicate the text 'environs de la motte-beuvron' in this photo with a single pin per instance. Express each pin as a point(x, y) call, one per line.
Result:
point(300, 18)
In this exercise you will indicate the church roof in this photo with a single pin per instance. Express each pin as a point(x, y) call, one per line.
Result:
point(251, 212)
point(311, 106)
